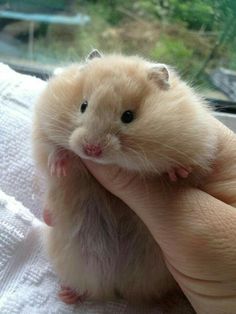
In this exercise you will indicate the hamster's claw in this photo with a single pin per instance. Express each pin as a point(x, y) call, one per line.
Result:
point(58, 163)
point(179, 172)
point(70, 296)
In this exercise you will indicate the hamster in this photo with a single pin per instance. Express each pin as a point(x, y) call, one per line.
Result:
point(127, 111)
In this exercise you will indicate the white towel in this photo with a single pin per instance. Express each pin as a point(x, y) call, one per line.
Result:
point(18, 93)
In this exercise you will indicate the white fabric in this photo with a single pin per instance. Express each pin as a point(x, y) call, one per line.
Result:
point(27, 282)
point(18, 93)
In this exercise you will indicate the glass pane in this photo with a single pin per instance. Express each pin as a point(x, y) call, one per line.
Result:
point(197, 37)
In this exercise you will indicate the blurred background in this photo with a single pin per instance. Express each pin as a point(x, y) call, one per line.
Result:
point(198, 37)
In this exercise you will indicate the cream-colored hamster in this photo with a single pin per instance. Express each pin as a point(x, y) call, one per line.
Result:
point(132, 113)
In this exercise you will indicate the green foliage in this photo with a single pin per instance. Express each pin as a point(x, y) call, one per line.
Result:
point(179, 32)
point(195, 14)
point(168, 49)
point(107, 10)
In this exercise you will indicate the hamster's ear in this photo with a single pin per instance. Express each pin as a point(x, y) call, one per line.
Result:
point(93, 54)
point(160, 75)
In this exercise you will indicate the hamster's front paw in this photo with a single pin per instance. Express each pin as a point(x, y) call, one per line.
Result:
point(58, 162)
point(179, 172)
point(70, 296)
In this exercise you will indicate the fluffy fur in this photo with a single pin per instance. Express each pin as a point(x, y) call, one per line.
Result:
point(99, 245)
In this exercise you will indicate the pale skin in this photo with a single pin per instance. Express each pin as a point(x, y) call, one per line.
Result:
point(195, 227)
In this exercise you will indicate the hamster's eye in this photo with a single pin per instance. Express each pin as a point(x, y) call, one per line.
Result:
point(127, 116)
point(83, 106)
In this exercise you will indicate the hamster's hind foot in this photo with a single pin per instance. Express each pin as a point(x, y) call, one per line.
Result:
point(70, 296)
point(47, 217)
point(58, 162)
point(179, 172)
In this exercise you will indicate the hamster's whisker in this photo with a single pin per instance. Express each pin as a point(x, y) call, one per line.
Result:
point(59, 141)
point(147, 161)
point(185, 155)
point(58, 96)
point(147, 165)
point(60, 131)
point(143, 158)
point(53, 118)
point(58, 122)
point(194, 161)
point(125, 160)
point(59, 135)
point(144, 161)
point(137, 155)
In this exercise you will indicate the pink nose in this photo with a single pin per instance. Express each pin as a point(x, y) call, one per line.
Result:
point(92, 150)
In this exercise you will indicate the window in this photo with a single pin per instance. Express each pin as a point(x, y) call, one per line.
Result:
point(197, 37)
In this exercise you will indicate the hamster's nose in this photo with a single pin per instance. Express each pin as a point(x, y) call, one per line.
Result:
point(92, 150)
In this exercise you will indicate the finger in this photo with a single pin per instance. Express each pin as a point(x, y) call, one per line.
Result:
point(118, 181)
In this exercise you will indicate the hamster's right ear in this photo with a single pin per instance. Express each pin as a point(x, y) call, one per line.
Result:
point(160, 75)
point(93, 54)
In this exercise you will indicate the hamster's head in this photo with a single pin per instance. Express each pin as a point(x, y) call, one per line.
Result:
point(119, 110)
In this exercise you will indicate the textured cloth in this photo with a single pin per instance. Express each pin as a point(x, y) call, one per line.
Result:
point(18, 93)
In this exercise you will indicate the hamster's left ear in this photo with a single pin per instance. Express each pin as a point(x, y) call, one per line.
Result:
point(93, 54)
point(160, 75)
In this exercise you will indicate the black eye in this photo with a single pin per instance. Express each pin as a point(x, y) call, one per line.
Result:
point(83, 106)
point(127, 116)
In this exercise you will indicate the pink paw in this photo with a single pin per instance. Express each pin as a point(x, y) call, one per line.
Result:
point(179, 172)
point(70, 296)
point(58, 162)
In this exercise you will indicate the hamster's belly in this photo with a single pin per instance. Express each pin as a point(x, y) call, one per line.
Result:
point(142, 275)
point(104, 259)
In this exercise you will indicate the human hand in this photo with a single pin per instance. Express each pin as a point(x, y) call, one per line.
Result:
point(195, 228)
